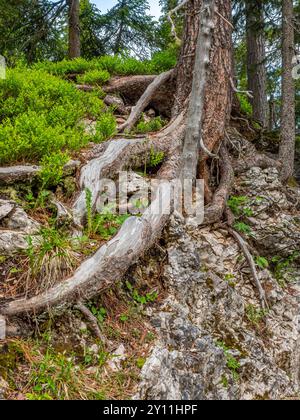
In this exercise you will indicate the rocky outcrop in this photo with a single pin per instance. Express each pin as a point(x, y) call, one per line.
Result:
point(215, 342)
point(15, 226)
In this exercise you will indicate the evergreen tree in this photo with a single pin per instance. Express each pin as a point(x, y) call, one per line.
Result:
point(129, 28)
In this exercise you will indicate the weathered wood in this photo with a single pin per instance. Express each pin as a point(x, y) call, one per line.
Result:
point(108, 264)
point(131, 88)
point(145, 100)
point(118, 154)
point(195, 113)
point(11, 174)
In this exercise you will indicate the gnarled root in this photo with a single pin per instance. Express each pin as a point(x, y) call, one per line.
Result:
point(251, 263)
point(213, 212)
point(145, 100)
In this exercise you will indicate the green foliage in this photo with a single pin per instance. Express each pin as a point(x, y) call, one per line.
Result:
point(113, 65)
point(262, 262)
point(243, 228)
point(230, 278)
point(99, 313)
point(282, 267)
point(149, 297)
point(39, 116)
point(255, 315)
point(106, 127)
point(246, 107)
point(154, 124)
point(105, 224)
point(53, 169)
point(156, 158)
point(94, 77)
point(232, 363)
point(236, 205)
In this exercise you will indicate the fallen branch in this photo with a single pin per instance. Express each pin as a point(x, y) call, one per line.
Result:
point(251, 263)
point(145, 100)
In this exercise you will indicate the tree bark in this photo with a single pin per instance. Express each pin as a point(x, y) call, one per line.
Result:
point(256, 55)
point(74, 29)
point(186, 62)
point(218, 93)
point(287, 145)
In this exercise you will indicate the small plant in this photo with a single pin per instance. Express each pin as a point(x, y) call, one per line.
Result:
point(282, 266)
point(141, 299)
point(53, 169)
point(236, 204)
point(106, 127)
point(156, 158)
point(105, 224)
point(153, 125)
point(255, 315)
point(232, 363)
point(243, 228)
point(52, 255)
point(261, 262)
point(230, 279)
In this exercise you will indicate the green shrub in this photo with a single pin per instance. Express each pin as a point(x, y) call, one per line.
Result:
point(53, 169)
point(94, 77)
point(106, 127)
point(155, 124)
point(246, 107)
point(40, 115)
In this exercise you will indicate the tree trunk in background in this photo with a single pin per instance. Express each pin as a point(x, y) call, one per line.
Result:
point(287, 146)
point(256, 55)
point(74, 29)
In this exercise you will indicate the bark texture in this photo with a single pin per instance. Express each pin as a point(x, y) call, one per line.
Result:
point(74, 29)
point(256, 55)
point(287, 146)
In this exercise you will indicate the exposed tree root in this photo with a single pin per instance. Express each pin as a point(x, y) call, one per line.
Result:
point(131, 88)
point(214, 212)
point(118, 155)
point(13, 174)
point(250, 260)
point(108, 264)
point(145, 100)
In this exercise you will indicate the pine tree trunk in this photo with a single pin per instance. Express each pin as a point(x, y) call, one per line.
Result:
point(186, 62)
point(287, 146)
point(256, 56)
point(74, 29)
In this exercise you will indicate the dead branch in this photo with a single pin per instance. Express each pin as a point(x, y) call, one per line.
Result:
point(236, 90)
point(145, 100)
point(170, 19)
